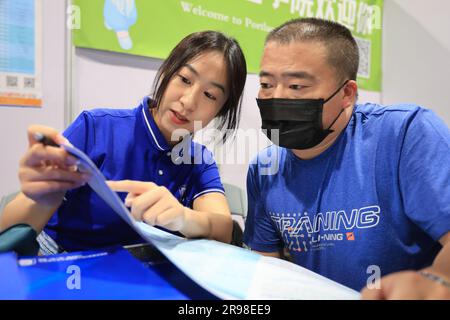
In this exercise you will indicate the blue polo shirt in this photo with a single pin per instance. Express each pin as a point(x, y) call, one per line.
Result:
point(126, 144)
point(378, 200)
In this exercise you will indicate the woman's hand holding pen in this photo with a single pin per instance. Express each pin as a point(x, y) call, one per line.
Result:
point(152, 203)
point(47, 171)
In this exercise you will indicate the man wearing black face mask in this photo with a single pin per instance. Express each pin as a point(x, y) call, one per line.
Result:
point(360, 191)
point(297, 122)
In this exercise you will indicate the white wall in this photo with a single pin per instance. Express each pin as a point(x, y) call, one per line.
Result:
point(416, 54)
point(14, 121)
point(416, 45)
point(110, 80)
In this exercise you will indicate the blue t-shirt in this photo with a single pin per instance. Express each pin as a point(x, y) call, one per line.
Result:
point(377, 200)
point(126, 144)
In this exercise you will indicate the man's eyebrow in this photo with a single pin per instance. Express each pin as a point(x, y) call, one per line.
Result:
point(263, 73)
point(290, 74)
point(218, 85)
point(298, 74)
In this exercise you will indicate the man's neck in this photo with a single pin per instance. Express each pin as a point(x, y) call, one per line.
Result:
point(339, 126)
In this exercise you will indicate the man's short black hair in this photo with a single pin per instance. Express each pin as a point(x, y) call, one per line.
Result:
point(342, 49)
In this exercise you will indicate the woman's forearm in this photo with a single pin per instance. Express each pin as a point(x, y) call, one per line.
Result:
point(208, 225)
point(24, 210)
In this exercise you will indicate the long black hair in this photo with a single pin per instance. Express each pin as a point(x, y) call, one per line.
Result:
point(194, 45)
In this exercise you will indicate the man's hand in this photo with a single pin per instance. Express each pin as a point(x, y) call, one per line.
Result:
point(152, 203)
point(407, 285)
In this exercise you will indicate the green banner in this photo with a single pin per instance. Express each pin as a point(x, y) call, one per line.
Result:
point(153, 27)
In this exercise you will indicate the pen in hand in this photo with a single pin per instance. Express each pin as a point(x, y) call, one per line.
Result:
point(46, 141)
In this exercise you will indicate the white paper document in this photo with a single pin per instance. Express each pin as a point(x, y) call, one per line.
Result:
point(227, 271)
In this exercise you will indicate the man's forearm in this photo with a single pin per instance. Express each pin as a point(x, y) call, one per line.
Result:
point(441, 264)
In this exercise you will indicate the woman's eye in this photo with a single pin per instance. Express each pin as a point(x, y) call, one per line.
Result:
point(184, 79)
point(265, 85)
point(210, 96)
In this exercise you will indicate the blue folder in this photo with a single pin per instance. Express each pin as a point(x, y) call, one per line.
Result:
point(101, 274)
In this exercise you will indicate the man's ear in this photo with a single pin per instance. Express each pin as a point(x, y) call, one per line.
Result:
point(350, 94)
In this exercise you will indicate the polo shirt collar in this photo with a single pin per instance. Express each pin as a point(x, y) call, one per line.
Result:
point(156, 137)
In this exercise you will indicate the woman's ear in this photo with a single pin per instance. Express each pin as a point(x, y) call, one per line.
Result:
point(350, 93)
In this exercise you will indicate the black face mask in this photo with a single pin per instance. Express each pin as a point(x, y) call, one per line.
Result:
point(298, 121)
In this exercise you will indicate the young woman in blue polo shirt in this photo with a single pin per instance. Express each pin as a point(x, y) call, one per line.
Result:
point(202, 79)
